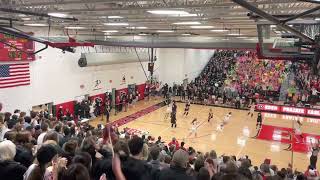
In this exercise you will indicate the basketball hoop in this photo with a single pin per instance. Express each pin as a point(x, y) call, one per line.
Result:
point(72, 34)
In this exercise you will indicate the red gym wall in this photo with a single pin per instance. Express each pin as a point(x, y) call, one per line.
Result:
point(70, 104)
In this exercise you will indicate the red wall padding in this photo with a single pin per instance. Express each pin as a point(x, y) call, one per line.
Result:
point(141, 89)
point(67, 105)
point(70, 105)
point(119, 91)
point(102, 96)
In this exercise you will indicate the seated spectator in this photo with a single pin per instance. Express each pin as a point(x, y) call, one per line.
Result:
point(174, 143)
point(10, 169)
point(155, 156)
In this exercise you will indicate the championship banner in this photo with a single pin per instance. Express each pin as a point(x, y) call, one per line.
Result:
point(288, 110)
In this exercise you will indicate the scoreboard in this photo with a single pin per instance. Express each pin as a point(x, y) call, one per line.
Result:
point(8, 53)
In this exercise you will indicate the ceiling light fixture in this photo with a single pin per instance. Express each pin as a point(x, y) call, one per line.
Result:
point(165, 31)
point(56, 14)
point(110, 31)
point(116, 24)
point(201, 27)
point(273, 26)
point(186, 34)
point(26, 19)
point(115, 17)
point(75, 27)
point(187, 23)
point(167, 12)
point(189, 15)
point(36, 24)
point(219, 30)
point(317, 19)
point(234, 34)
point(140, 27)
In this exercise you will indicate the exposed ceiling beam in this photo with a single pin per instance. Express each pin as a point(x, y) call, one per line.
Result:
point(269, 17)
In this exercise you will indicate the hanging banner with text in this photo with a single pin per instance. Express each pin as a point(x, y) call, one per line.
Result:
point(8, 53)
point(288, 110)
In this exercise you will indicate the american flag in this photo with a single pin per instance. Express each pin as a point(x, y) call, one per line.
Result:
point(12, 75)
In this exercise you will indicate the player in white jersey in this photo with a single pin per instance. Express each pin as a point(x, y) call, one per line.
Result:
point(297, 131)
point(194, 127)
point(168, 111)
point(225, 120)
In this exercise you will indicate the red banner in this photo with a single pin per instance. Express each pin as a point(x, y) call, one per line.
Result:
point(8, 53)
point(288, 110)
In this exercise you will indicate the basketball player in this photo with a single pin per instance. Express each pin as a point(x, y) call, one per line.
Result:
point(173, 120)
point(314, 154)
point(225, 120)
point(186, 109)
point(194, 127)
point(174, 107)
point(210, 115)
point(251, 111)
point(259, 121)
point(297, 130)
point(168, 112)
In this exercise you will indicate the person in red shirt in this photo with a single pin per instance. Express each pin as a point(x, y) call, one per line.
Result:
point(175, 143)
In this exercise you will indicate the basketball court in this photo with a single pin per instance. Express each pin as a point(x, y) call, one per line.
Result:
point(236, 138)
point(74, 61)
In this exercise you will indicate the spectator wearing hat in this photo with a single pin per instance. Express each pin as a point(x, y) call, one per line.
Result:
point(178, 167)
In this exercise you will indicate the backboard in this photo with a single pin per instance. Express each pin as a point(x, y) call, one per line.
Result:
point(275, 43)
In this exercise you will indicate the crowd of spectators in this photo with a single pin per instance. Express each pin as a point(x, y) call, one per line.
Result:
point(307, 83)
point(62, 150)
point(238, 78)
point(252, 75)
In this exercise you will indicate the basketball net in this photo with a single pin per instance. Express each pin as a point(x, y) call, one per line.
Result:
point(72, 34)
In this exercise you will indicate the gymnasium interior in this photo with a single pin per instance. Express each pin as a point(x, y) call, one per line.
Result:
point(159, 89)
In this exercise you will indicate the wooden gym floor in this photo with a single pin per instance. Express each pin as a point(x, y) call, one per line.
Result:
point(234, 139)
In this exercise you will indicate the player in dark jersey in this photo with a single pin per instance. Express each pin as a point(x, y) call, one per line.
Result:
point(186, 109)
point(259, 121)
point(210, 115)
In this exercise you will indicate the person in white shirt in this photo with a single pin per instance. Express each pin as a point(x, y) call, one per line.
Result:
point(44, 128)
point(3, 128)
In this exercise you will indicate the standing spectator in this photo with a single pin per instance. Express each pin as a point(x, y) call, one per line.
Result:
point(134, 168)
point(9, 169)
point(44, 130)
point(178, 167)
point(3, 128)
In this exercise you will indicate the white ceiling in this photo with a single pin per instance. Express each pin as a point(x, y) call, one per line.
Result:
point(93, 14)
